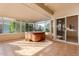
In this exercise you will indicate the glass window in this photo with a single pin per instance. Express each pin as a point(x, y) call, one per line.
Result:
point(26, 27)
point(12, 26)
point(47, 27)
point(9, 25)
point(30, 27)
point(42, 26)
point(6, 25)
point(1, 23)
point(22, 26)
point(17, 24)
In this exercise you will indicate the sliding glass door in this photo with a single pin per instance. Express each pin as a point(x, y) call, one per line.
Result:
point(61, 29)
point(72, 29)
point(67, 29)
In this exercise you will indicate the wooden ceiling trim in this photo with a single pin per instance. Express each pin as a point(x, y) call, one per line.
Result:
point(45, 8)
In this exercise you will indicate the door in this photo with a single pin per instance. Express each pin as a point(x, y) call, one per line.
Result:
point(72, 29)
point(61, 29)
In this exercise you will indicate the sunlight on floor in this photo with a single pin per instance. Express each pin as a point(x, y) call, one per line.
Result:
point(23, 47)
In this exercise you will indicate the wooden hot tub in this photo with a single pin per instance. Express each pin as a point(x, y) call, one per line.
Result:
point(35, 36)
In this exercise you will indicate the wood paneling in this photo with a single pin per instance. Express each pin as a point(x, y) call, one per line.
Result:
point(46, 8)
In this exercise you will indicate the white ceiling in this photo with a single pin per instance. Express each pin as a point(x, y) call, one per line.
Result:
point(56, 7)
point(27, 12)
point(32, 12)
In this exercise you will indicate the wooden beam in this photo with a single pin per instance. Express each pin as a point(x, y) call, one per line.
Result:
point(45, 8)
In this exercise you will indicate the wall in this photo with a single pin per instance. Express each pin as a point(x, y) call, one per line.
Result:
point(12, 36)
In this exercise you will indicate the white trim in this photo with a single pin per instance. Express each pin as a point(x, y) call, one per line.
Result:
point(66, 42)
point(56, 28)
point(66, 16)
point(65, 29)
point(60, 40)
point(72, 43)
point(78, 29)
point(50, 26)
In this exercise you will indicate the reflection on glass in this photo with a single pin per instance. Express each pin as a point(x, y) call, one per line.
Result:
point(72, 29)
point(71, 26)
point(61, 29)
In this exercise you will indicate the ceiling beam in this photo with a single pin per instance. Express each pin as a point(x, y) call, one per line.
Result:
point(45, 8)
